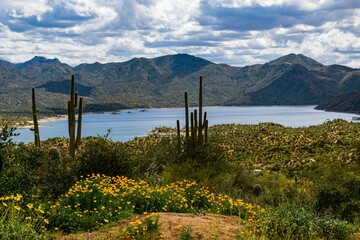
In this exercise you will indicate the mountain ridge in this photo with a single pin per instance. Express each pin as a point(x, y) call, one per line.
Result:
point(293, 79)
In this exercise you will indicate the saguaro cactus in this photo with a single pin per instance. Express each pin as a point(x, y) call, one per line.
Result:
point(35, 119)
point(197, 134)
point(74, 139)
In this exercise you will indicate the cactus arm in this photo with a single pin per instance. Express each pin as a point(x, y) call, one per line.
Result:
point(78, 133)
point(186, 117)
point(200, 112)
point(178, 134)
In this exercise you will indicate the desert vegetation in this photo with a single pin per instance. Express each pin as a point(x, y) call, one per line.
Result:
point(277, 182)
point(293, 183)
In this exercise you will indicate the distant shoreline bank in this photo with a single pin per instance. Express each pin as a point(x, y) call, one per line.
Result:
point(42, 120)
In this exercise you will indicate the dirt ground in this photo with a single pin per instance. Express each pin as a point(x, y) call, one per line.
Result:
point(205, 226)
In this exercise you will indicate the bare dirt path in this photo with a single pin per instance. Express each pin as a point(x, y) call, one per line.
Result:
point(204, 226)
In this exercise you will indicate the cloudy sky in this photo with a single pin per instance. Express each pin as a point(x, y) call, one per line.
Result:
point(236, 32)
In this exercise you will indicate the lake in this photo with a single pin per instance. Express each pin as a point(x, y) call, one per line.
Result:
point(130, 123)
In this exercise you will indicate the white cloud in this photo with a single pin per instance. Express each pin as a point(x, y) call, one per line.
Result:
point(77, 31)
point(101, 15)
point(19, 9)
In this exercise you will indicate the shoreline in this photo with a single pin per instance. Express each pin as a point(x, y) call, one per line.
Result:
point(42, 120)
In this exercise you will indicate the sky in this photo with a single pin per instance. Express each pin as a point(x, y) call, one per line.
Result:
point(234, 32)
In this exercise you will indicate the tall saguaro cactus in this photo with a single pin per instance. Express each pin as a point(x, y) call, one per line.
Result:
point(74, 136)
point(35, 119)
point(196, 136)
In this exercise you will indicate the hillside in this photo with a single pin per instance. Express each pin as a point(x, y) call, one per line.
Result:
point(349, 102)
point(160, 82)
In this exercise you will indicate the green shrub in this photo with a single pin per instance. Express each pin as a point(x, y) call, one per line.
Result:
point(19, 220)
point(206, 166)
point(19, 174)
point(30, 170)
point(334, 228)
point(6, 134)
point(292, 222)
point(100, 155)
point(150, 155)
point(340, 198)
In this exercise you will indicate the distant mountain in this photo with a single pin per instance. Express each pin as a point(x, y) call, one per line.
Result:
point(299, 59)
point(297, 86)
point(160, 82)
point(349, 102)
point(37, 60)
point(7, 64)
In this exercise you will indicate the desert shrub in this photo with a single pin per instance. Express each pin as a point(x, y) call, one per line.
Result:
point(340, 198)
point(292, 222)
point(100, 155)
point(206, 167)
point(334, 228)
point(30, 170)
point(150, 155)
point(19, 174)
point(6, 134)
point(20, 220)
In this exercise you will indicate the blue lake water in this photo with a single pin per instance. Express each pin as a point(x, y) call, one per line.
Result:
point(127, 124)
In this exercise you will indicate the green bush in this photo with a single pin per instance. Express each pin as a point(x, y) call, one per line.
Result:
point(150, 155)
point(99, 155)
point(19, 174)
point(7, 132)
point(292, 222)
point(207, 166)
point(30, 170)
point(340, 198)
point(19, 220)
point(334, 228)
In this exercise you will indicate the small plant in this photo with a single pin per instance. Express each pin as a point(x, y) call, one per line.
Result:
point(186, 233)
point(147, 228)
point(54, 154)
point(257, 190)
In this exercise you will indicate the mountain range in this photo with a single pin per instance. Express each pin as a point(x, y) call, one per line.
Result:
point(293, 79)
